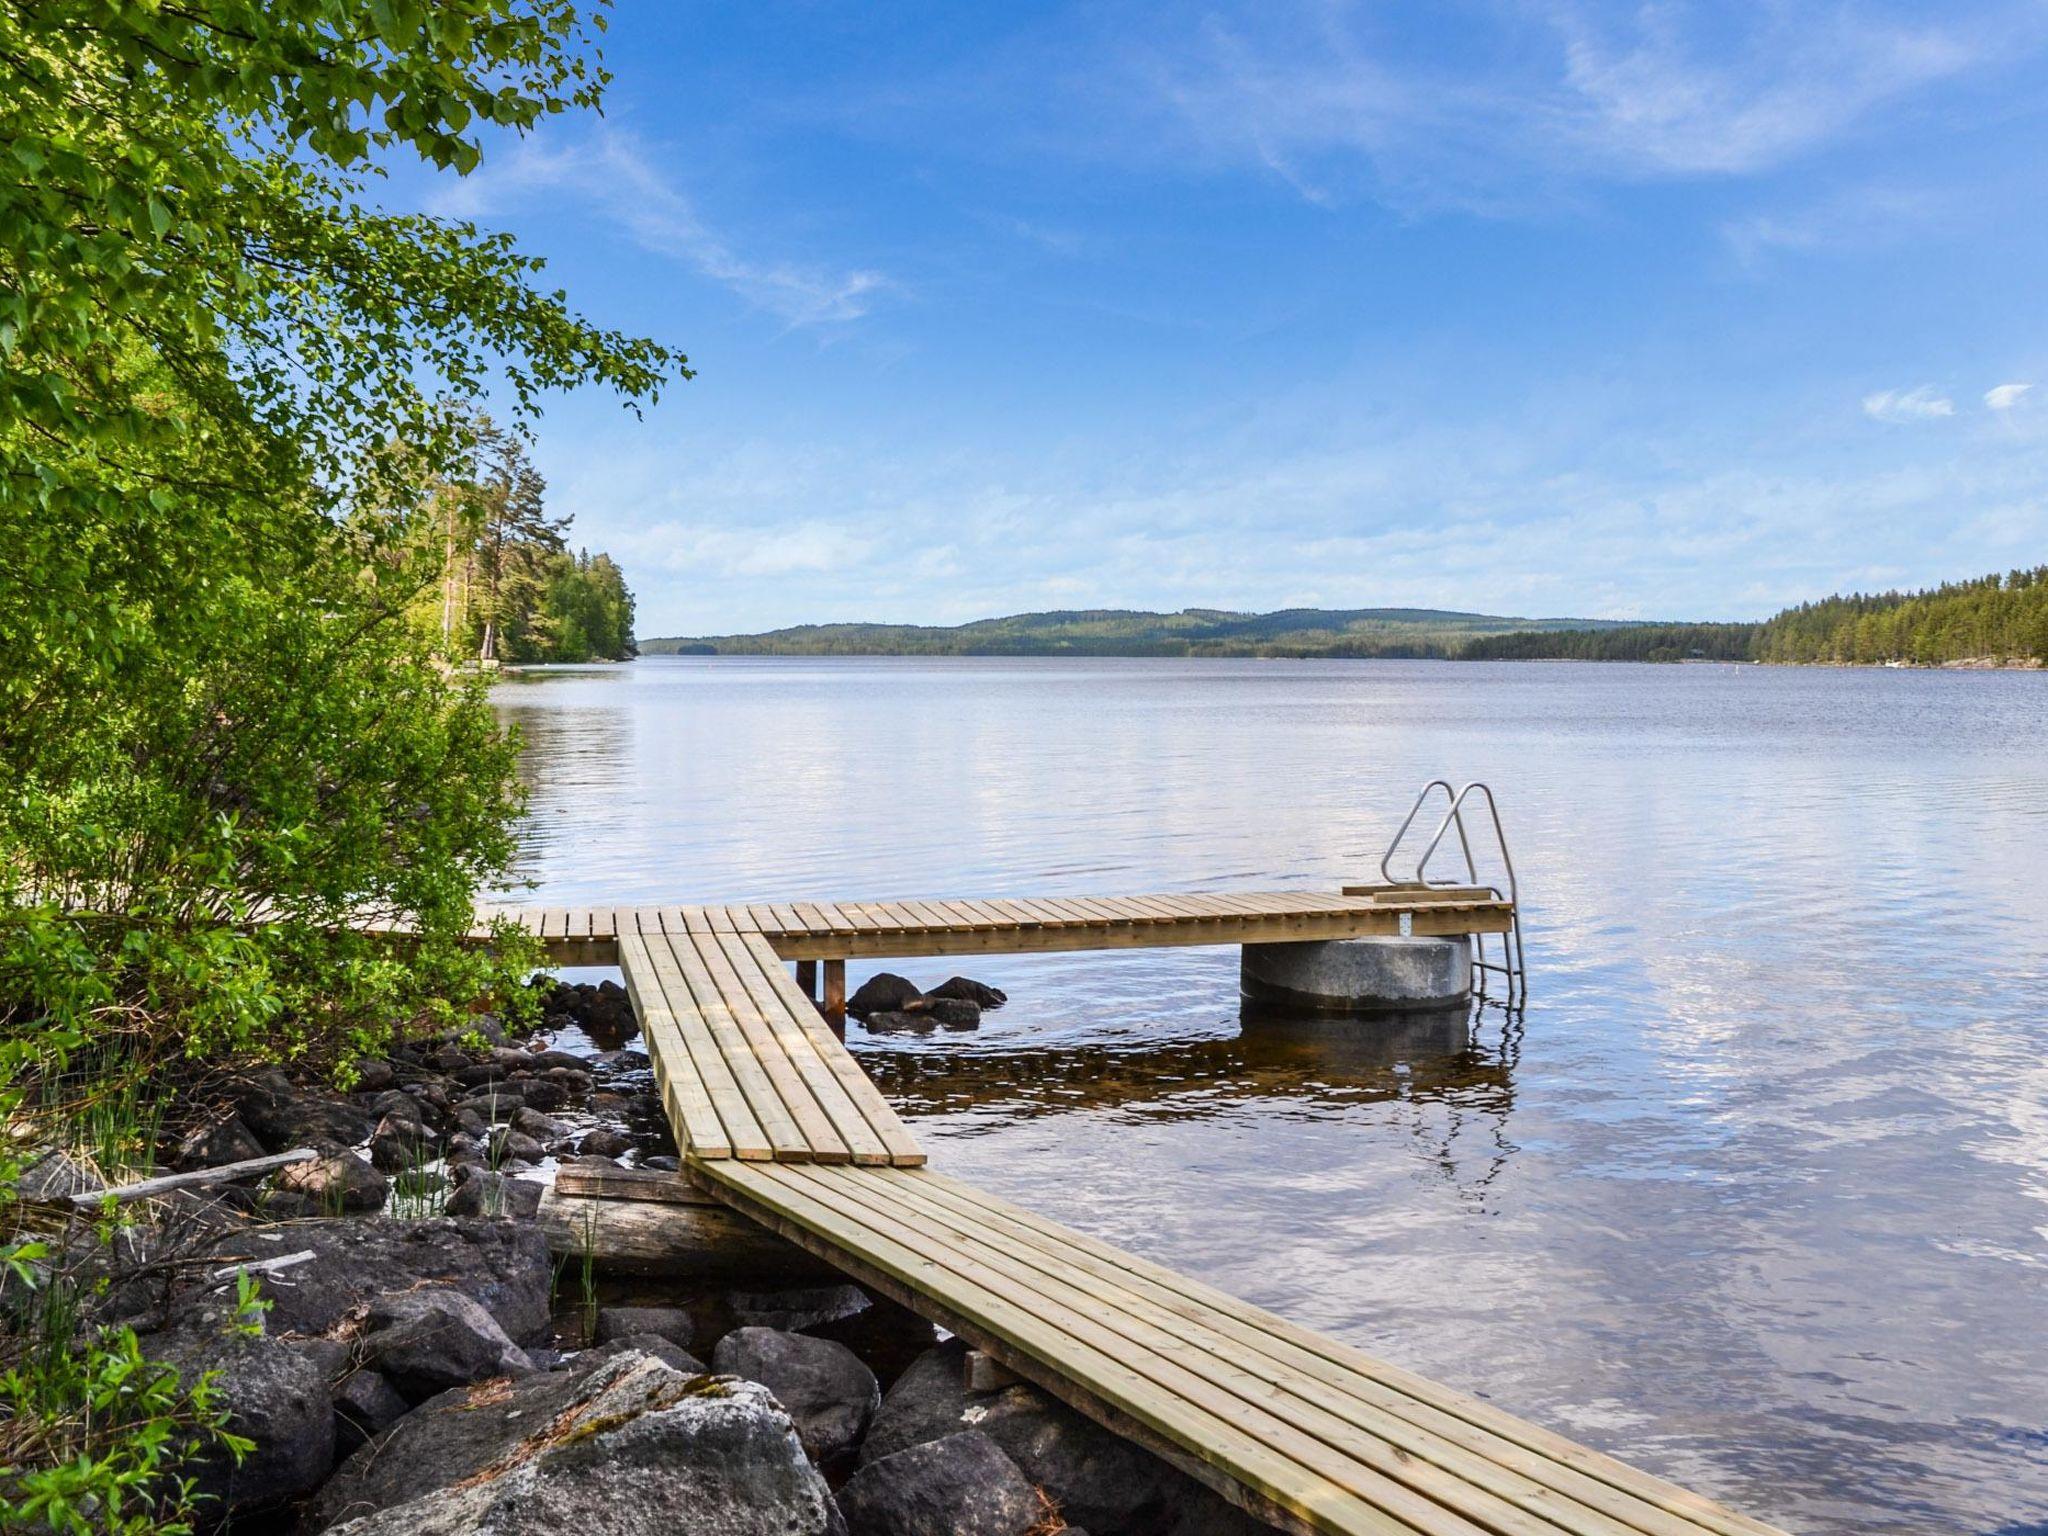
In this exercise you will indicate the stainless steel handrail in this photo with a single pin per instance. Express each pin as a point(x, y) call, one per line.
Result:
point(1511, 965)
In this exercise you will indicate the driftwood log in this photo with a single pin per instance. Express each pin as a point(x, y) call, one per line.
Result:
point(628, 1222)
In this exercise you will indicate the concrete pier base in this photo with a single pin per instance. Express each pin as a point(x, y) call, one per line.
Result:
point(1358, 976)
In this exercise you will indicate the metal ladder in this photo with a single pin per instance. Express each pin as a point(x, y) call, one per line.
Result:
point(1510, 966)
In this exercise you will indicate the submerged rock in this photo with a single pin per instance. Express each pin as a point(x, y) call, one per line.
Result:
point(948, 1012)
point(821, 1385)
point(962, 1485)
point(967, 990)
point(882, 992)
point(628, 1447)
point(894, 1021)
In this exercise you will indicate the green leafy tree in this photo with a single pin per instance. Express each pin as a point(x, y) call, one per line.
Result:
point(211, 708)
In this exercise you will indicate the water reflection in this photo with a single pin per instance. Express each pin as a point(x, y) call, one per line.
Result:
point(1293, 1067)
point(1758, 1197)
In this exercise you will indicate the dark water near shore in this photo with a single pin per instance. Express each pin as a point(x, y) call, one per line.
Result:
point(1754, 1194)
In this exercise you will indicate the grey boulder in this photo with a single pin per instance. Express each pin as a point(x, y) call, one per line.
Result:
point(364, 1405)
point(483, 1192)
point(1098, 1479)
point(424, 1342)
point(276, 1397)
point(337, 1183)
point(629, 1448)
point(822, 1385)
point(503, 1265)
point(671, 1323)
point(882, 992)
point(962, 1485)
point(967, 990)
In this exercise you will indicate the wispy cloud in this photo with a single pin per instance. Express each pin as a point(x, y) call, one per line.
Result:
point(2003, 397)
point(1581, 91)
point(616, 174)
point(1855, 220)
point(1921, 404)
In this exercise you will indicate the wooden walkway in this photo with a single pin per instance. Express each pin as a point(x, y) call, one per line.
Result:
point(1305, 1432)
point(777, 1120)
point(880, 930)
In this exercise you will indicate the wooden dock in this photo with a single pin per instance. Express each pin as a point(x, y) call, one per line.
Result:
point(776, 1119)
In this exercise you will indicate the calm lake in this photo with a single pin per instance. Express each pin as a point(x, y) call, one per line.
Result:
point(1755, 1191)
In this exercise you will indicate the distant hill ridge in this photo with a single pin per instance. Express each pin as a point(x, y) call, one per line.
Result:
point(1999, 620)
point(1418, 632)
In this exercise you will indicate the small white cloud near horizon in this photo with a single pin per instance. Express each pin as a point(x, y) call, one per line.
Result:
point(1921, 404)
point(2003, 397)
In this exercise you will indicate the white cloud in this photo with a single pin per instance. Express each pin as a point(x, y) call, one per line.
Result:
point(1856, 220)
point(2003, 397)
point(616, 174)
point(1562, 93)
point(1921, 404)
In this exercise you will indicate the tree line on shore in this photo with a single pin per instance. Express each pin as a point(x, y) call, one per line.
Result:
point(500, 582)
point(1993, 618)
point(1996, 618)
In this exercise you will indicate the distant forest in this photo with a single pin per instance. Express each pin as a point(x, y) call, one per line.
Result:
point(1997, 618)
point(1295, 632)
point(505, 585)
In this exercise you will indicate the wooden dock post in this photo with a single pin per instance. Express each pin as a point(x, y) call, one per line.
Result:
point(835, 995)
point(807, 978)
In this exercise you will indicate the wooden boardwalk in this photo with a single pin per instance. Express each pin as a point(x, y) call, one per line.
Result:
point(777, 1120)
point(880, 930)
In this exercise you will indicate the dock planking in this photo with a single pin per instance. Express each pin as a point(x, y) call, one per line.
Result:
point(777, 1120)
point(883, 930)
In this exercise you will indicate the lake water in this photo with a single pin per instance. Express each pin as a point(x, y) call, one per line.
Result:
point(1754, 1193)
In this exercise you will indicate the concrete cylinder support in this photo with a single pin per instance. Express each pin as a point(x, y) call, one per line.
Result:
point(1358, 975)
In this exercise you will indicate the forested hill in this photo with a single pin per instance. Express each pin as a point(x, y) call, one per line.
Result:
point(2000, 619)
point(1411, 632)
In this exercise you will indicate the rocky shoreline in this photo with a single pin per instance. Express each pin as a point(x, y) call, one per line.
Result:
point(421, 1362)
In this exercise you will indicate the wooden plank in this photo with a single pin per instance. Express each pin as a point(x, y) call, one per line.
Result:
point(862, 916)
point(903, 1151)
point(1430, 1402)
point(698, 1125)
point(1335, 1405)
point(765, 981)
point(899, 916)
point(1286, 1408)
point(825, 917)
point(1015, 914)
point(957, 914)
point(821, 1142)
point(933, 916)
point(787, 920)
point(1089, 1355)
point(740, 1041)
point(593, 1183)
point(730, 1074)
point(720, 919)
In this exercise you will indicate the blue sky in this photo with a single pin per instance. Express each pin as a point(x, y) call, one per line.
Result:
point(1635, 310)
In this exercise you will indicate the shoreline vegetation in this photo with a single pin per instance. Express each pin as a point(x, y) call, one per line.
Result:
point(1993, 622)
